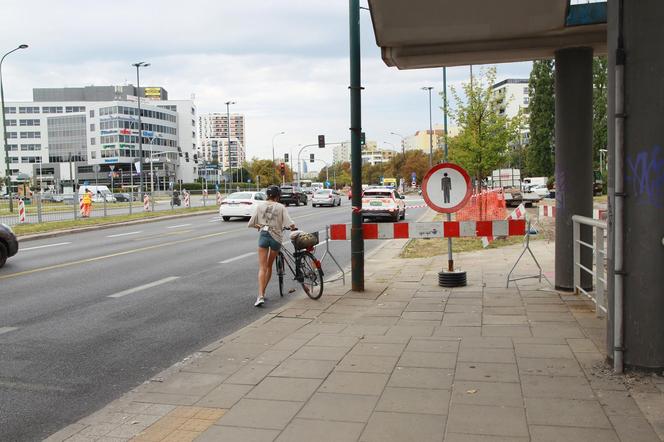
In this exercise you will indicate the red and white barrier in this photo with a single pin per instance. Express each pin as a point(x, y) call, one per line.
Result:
point(187, 201)
point(146, 203)
point(550, 212)
point(445, 229)
point(518, 213)
point(80, 206)
point(21, 211)
point(218, 199)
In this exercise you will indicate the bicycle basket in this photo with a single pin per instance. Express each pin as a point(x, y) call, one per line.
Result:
point(302, 240)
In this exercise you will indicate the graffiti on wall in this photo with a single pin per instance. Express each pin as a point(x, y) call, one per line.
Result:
point(645, 177)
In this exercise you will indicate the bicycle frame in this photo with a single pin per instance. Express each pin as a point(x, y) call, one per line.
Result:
point(292, 260)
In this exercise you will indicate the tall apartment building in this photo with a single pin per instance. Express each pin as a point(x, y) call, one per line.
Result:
point(511, 96)
point(213, 139)
point(341, 152)
point(96, 127)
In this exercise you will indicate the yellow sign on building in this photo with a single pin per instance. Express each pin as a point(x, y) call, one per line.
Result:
point(152, 93)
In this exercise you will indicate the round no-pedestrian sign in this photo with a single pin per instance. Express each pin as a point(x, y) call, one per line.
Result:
point(446, 187)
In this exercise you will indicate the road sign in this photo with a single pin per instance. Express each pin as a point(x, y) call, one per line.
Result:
point(96, 168)
point(446, 188)
point(112, 167)
point(413, 176)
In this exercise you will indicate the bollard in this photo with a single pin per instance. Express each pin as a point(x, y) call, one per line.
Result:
point(186, 200)
point(218, 198)
point(21, 211)
point(105, 212)
point(146, 203)
point(131, 201)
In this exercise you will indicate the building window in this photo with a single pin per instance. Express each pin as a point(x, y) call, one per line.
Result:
point(52, 110)
point(10, 110)
point(11, 122)
point(92, 127)
point(30, 147)
point(11, 135)
point(28, 110)
point(29, 122)
point(526, 100)
point(93, 154)
point(11, 147)
point(30, 134)
point(525, 90)
point(71, 109)
point(92, 113)
point(93, 141)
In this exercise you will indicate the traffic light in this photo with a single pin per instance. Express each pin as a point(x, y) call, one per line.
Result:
point(186, 156)
point(321, 141)
point(195, 158)
point(311, 158)
point(285, 158)
point(179, 151)
point(282, 169)
point(363, 138)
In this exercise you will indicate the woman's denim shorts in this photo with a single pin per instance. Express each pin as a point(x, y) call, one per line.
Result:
point(265, 241)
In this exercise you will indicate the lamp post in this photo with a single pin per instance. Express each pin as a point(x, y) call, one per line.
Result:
point(138, 66)
point(429, 88)
point(274, 164)
point(403, 154)
point(8, 178)
point(228, 122)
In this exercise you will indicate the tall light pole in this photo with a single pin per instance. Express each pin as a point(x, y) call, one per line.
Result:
point(138, 66)
point(8, 178)
point(429, 88)
point(274, 164)
point(403, 155)
point(228, 123)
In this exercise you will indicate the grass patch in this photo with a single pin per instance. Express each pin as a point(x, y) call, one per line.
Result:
point(27, 229)
point(428, 248)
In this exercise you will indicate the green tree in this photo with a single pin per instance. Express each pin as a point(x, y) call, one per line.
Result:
point(542, 106)
point(485, 135)
point(600, 140)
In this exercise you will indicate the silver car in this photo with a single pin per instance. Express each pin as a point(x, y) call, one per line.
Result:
point(326, 197)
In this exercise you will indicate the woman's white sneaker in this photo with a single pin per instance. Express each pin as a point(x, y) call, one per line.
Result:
point(259, 301)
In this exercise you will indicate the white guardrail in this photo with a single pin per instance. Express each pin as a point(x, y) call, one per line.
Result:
point(598, 267)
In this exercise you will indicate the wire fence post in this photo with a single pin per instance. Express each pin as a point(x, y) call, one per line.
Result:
point(39, 208)
point(576, 238)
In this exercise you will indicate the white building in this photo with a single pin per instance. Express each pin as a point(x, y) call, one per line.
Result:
point(213, 135)
point(97, 128)
point(341, 153)
point(512, 98)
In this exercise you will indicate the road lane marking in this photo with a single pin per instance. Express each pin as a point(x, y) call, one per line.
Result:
point(128, 252)
point(4, 330)
point(143, 287)
point(180, 225)
point(246, 255)
point(44, 246)
point(161, 235)
point(124, 234)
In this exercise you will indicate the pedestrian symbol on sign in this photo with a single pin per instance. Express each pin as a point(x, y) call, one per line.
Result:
point(446, 186)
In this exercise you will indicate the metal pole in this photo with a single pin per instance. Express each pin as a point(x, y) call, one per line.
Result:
point(274, 164)
point(131, 185)
point(8, 172)
point(450, 258)
point(430, 132)
point(357, 240)
point(140, 129)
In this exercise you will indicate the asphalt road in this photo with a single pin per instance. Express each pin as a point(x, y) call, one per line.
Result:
point(86, 317)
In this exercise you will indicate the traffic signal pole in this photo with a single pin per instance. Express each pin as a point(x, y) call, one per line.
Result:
point(357, 240)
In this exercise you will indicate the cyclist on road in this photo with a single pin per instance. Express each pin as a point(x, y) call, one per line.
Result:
point(270, 219)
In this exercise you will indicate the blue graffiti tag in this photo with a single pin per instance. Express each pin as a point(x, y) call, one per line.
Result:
point(645, 175)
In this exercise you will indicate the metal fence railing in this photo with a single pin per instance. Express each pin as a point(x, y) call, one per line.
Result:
point(66, 207)
point(598, 267)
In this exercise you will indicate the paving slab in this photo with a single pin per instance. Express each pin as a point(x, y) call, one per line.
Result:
point(304, 368)
point(339, 407)
point(543, 433)
point(370, 384)
point(486, 371)
point(505, 394)
point(487, 420)
point(427, 359)
point(435, 345)
point(564, 387)
point(237, 434)
point(415, 377)
point(285, 389)
point(414, 400)
point(566, 412)
point(224, 396)
point(260, 413)
point(388, 427)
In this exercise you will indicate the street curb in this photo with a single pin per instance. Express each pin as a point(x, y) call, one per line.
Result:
point(109, 225)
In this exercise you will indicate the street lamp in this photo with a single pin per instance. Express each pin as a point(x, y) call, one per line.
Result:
point(429, 88)
point(140, 64)
point(228, 122)
point(4, 129)
point(403, 153)
point(274, 164)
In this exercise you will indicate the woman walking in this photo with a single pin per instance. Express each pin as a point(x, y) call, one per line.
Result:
point(270, 219)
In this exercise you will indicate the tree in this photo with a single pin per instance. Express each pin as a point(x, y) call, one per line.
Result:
point(485, 134)
point(541, 90)
point(600, 140)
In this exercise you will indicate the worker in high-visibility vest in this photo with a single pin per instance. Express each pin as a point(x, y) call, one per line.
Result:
point(87, 203)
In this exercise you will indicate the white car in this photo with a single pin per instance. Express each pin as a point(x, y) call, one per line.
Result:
point(327, 197)
point(541, 190)
point(241, 205)
point(383, 203)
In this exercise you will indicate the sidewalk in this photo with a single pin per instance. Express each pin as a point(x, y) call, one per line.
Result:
point(403, 361)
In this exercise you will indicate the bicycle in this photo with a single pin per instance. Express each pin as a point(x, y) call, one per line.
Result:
point(304, 266)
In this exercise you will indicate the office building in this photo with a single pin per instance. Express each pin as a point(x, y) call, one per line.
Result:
point(94, 131)
point(213, 139)
point(512, 99)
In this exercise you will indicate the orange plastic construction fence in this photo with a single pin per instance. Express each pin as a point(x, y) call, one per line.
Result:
point(487, 205)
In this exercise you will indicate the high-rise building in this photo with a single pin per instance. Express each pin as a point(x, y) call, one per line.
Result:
point(341, 152)
point(512, 98)
point(94, 131)
point(213, 139)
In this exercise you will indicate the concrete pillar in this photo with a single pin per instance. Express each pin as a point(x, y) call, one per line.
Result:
point(643, 252)
point(574, 159)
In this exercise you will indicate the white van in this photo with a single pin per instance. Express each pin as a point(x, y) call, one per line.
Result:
point(99, 193)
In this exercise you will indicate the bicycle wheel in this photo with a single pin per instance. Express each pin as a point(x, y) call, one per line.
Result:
point(312, 275)
point(279, 262)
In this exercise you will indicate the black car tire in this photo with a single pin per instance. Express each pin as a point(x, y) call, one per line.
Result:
point(226, 218)
point(3, 254)
point(396, 217)
point(403, 215)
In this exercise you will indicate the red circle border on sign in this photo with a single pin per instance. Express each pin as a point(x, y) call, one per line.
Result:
point(436, 168)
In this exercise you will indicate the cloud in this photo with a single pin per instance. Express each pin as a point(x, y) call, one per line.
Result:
point(285, 63)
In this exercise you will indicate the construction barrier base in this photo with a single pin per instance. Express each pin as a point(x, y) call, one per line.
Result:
point(452, 279)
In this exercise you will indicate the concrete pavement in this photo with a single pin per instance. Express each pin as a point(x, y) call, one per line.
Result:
point(403, 361)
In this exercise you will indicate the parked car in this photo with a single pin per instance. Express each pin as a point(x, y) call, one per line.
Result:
point(124, 197)
point(383, 203)
point(327, 197)
point(8, 243)
point(292, 195)
point(241, 204)
point(541, 190)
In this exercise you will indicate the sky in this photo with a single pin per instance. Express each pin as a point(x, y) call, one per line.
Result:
point(284, 63)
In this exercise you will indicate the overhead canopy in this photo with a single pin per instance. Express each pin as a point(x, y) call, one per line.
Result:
point(433, 33)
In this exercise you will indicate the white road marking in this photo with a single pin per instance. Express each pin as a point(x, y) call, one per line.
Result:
point(44, 246)
point(124, 234)
point(4, 330)
point(246, 255)
point(179, 225)
point(143, 287)
point(215, 220)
